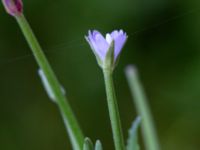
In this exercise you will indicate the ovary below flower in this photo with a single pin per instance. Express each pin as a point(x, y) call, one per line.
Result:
point(101, 45)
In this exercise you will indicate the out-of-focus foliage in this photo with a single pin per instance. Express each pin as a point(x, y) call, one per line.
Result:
point(98, 145)
point(132, 142)
point(88, 144)
point(163, 42)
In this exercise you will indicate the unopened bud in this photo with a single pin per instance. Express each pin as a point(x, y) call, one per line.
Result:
point(13, 7)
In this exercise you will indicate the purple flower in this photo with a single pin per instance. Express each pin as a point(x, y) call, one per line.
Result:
point(13, 7)
point(101, 45)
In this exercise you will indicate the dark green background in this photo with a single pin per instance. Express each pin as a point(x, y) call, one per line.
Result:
point(164, 43)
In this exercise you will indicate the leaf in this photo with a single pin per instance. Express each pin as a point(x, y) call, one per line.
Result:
point(132, 142)
point(98, 145)
point(87, 144)
point(50, 92)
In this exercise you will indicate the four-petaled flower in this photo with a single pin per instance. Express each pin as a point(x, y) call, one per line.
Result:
point(13, 7)
point(101, 45)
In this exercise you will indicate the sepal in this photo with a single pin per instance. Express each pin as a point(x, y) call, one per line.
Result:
point(109, 59)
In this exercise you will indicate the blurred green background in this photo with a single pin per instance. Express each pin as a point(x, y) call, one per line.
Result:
point(164, 43)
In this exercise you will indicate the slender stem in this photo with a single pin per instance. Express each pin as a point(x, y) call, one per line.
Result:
point(71, 123)
point(113, 111)
point(149, 132)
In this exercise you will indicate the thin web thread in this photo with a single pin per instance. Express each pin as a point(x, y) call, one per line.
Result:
point(63, 46)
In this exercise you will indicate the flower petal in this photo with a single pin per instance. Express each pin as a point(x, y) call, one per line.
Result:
point(101, 44)
point(120, 39)
point(90, 40)
point(92, 44)
point(115, 34)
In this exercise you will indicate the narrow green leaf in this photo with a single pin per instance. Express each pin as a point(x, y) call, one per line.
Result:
point(88, 144)
point(98, 145)
point(50, 92)
point(132, 142)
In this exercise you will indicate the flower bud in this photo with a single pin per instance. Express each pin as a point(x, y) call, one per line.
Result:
point(107, 49)
point(13, 7)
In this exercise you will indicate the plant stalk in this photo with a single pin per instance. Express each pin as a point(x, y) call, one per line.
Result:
point(113, 111)
point(70, 121)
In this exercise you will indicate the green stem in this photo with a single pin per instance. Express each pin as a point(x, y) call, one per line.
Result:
point(71, 123)
point(113, 111)
point(149, 132)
